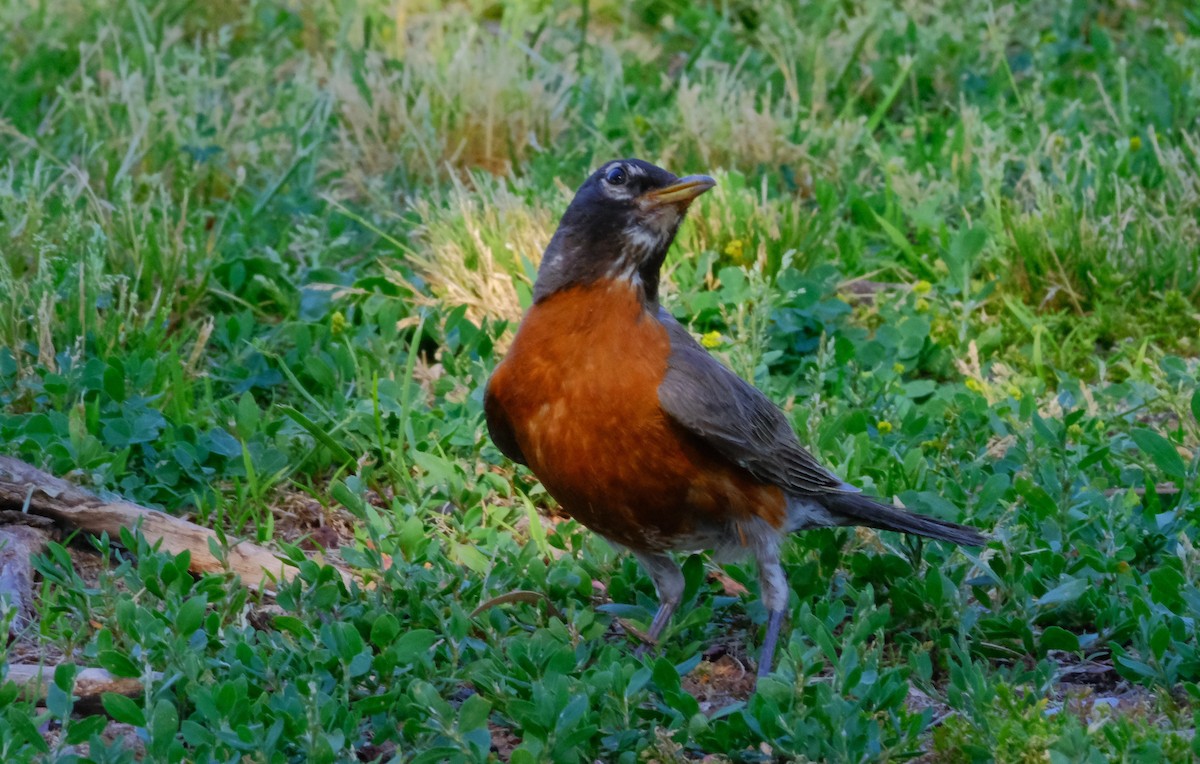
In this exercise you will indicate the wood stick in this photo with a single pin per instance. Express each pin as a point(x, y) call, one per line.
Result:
point(34, 680)
point(18, 545)
point(864, 290)
point(22, 485)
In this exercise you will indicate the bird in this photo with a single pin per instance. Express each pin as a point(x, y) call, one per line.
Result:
point(636, 430)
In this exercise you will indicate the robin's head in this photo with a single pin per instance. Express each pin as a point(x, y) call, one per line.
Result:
point(619, 226)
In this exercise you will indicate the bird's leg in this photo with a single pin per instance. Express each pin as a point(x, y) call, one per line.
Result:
point(668, 582)
point(767, 656)
point(774, 597)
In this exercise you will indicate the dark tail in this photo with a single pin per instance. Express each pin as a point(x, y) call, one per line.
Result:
point(857, 509)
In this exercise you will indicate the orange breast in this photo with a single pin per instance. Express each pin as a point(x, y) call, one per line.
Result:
point(580, 389)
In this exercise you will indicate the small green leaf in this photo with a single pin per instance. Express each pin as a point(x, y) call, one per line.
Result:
point(522, 756)
point(1058, 638)
point(470, 556)
point(118, 664)
point(1136, 666)
point(1166, 583)
point(1196, 404)
point(114, 382)
point(993, 490)
point(122, 709)
point(64, 676)
point(384, 630)
point(637, 682)
point(8, 363)
point(474, 713)
point(437, 468)
point(919, 388)
point(666, 676)
point(247, 415)
point(83, 730)
point(58, 702)
point(359, 665)
point(440, 754)
point(191, 614)
point(412, 644)
point(964, 249)
point(195, 734)
point(570, 716)
point(321, 371)
point(1064, 593)
point(1160, 451)
point(223, 444)
point(164, 723)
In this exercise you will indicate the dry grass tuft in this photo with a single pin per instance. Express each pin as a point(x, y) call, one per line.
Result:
point(481, 244)
point(461, 99)
point(732, 125)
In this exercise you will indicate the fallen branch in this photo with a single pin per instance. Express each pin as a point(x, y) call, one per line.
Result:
point(864, 290)
point(34, 680)
point(28, 488)
point(18, 545)
point(1162, 490)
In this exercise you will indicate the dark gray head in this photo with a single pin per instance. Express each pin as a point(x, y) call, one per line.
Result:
point(619, 226)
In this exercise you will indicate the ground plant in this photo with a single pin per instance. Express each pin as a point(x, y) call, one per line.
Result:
point(258, 259)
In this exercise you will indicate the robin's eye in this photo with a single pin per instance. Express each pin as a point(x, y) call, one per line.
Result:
point(616, 176)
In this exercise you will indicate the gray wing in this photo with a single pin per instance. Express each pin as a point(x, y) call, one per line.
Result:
point(737, 420)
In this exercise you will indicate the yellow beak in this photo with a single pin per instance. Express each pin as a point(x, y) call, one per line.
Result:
point(680, 193)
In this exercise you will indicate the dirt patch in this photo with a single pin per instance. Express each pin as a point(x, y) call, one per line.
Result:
point(720, 680)
point(504, 741)
point(301, 519)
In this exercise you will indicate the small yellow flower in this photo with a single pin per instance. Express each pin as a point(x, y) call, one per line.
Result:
point(1075, 432)
point(884, 426)
point(922, 305)
point(922, 287)
point(1135, 142)
point(898, 367)
point(711, 339)
point(337, 323)
point(736, 249)
point(1015, 392)
point(974, 385)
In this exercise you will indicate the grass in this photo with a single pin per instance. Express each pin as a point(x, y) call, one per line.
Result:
point(259, 259)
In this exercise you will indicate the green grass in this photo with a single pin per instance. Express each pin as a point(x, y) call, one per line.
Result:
point(258, 260)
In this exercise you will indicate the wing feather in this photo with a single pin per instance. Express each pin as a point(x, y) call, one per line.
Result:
point(736, 419)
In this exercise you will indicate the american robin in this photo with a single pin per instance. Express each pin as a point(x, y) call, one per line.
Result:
point(636, 430)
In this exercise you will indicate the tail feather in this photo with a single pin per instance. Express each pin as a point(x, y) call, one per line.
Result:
point(857, 509)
